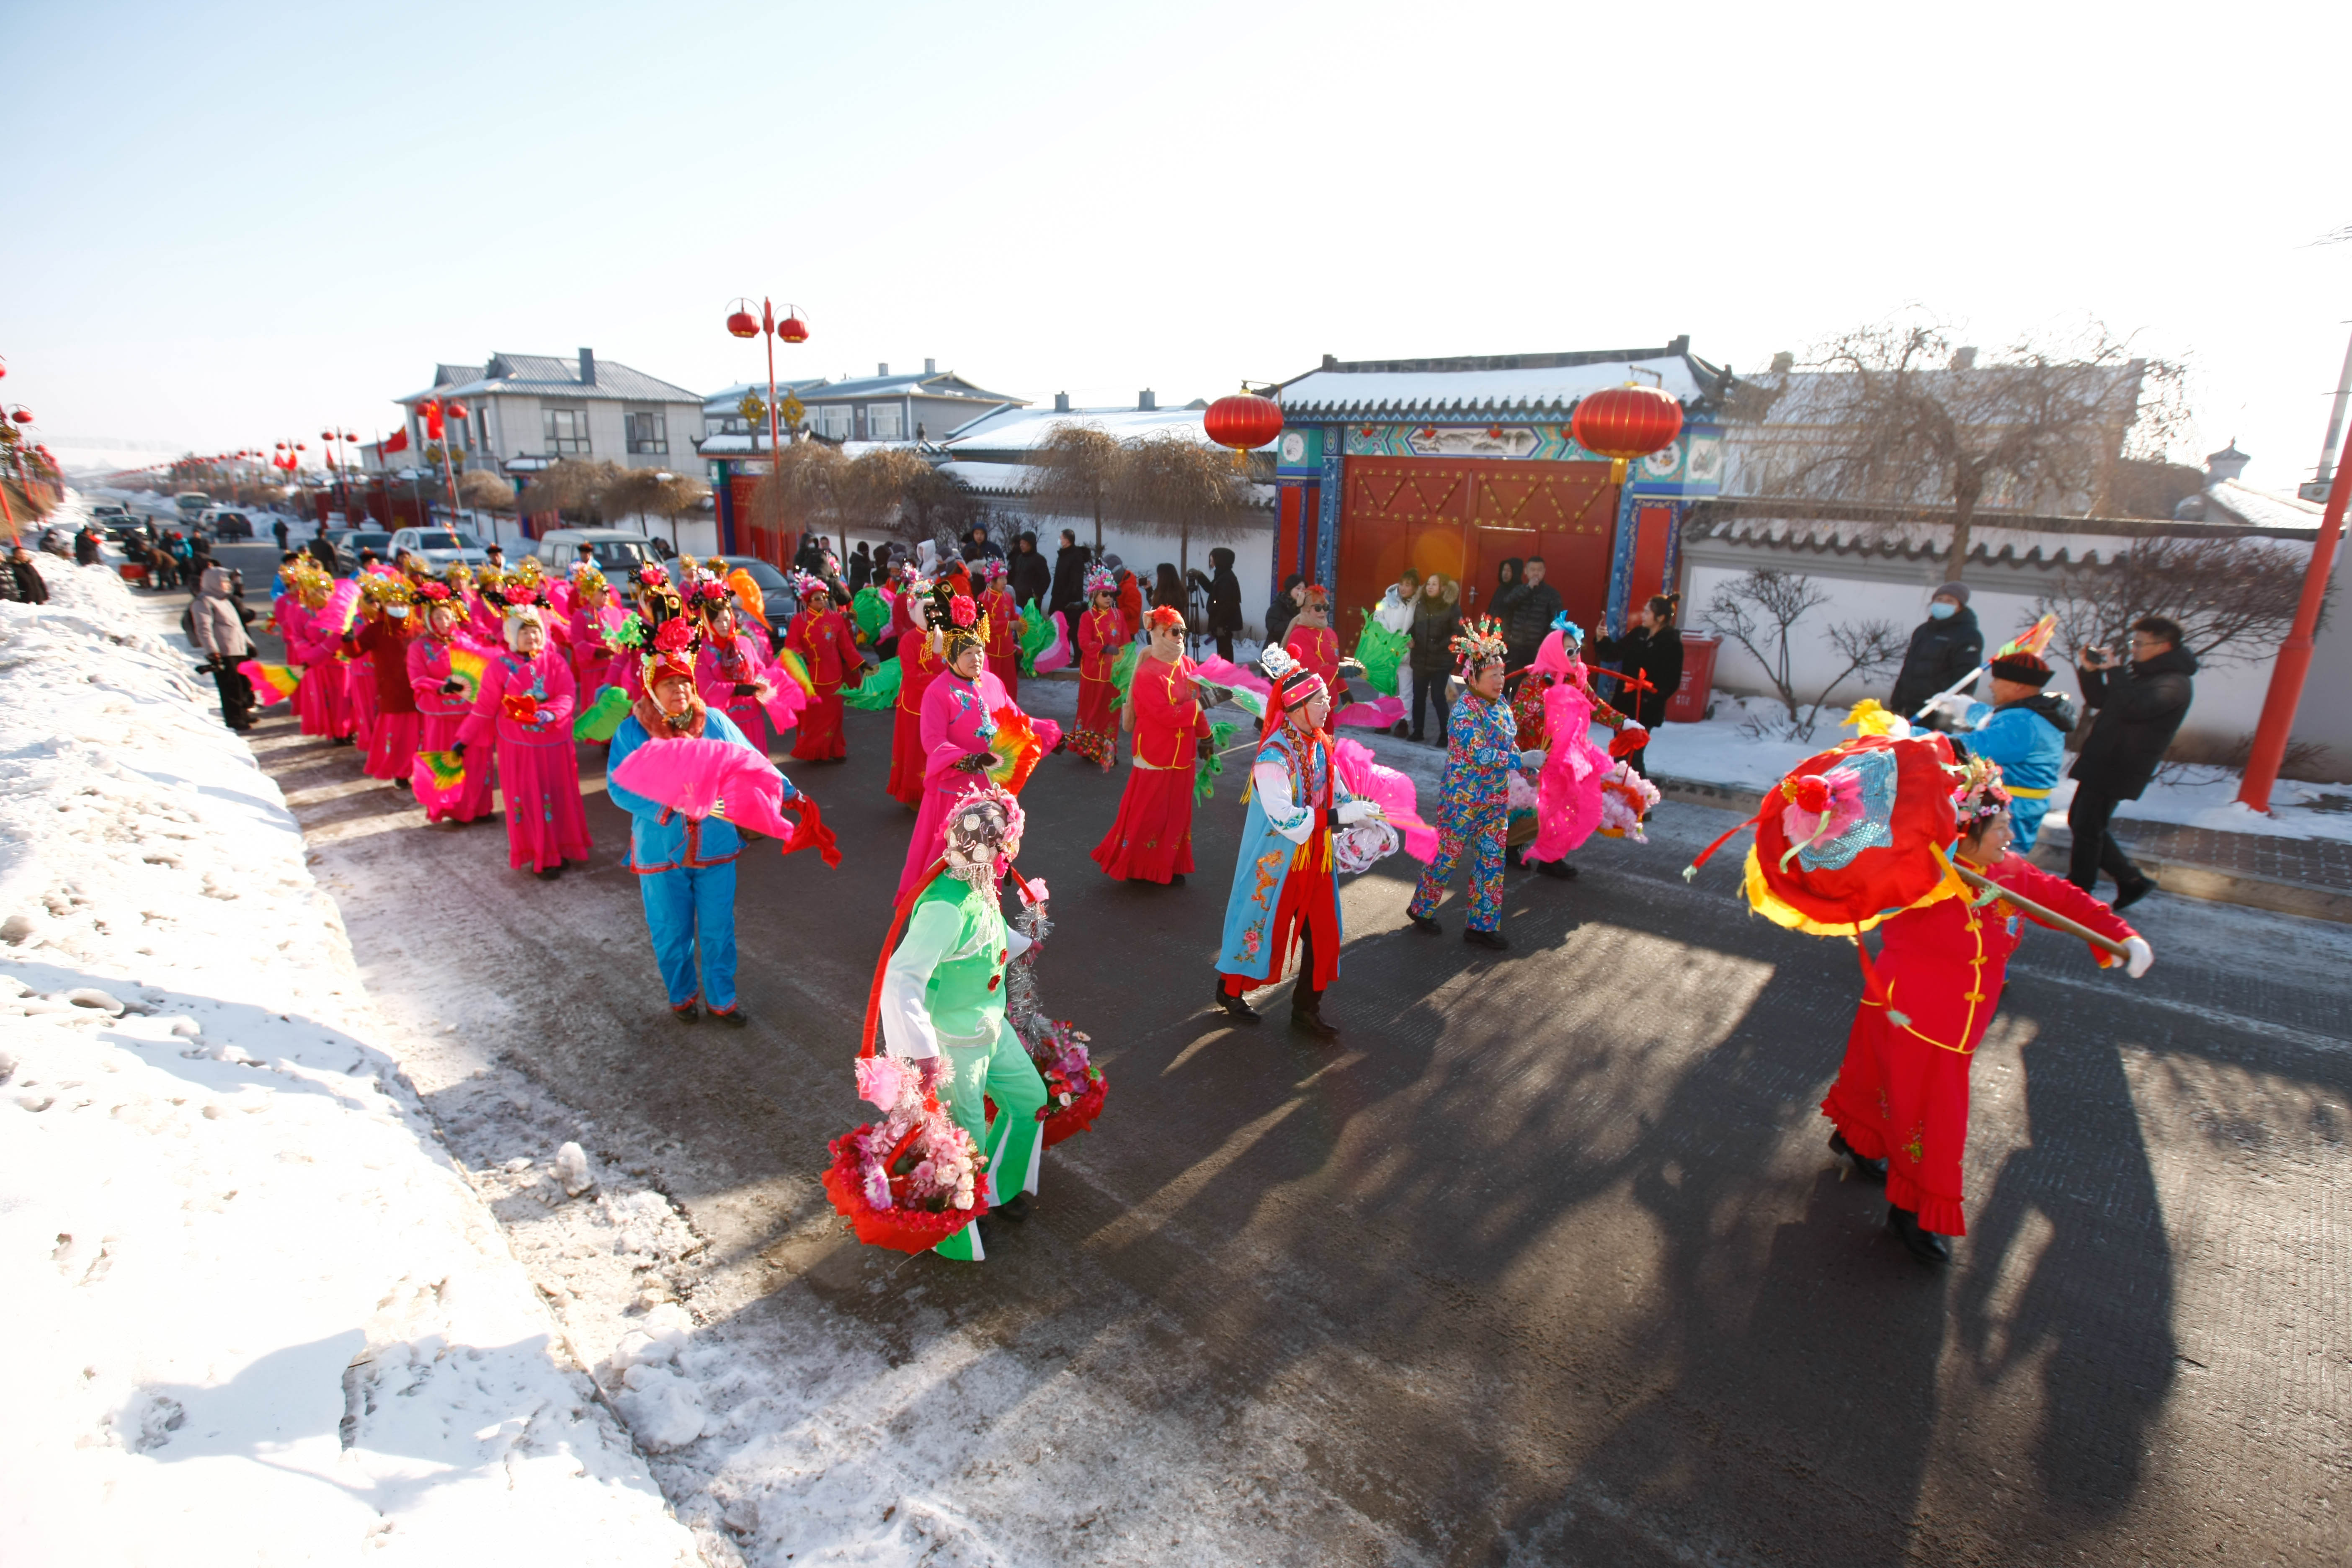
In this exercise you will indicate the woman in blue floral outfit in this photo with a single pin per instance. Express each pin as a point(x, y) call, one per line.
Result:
point(1474, 798)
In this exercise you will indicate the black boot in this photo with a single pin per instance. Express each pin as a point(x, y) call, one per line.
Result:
point(2132, 892)
point(1234, 1007)
point(1306, 1014)
point(1923, 1244)
point(1493, 939)
point(1867, 1170)
point(1560, 868)
point(733, 1017)
point(1014, 1208)
point(688, 1011)
point(1426, 924)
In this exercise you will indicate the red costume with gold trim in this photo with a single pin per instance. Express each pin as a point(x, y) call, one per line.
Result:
point(1101, 634)
point(827, 644)
point(1151, 837)
point(1003, 637)
point(918, 665)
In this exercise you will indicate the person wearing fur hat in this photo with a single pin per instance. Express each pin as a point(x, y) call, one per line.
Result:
point(943, 1000)
point(525, 709)
point(1285, 883)
point(1474, 796)
point(1150, 840)
point(2025, 730)
point(441, 704)
point(957, 721)
point(1102, 632)
point(1900, 1105)
point(920, 663)
point(1003, 618)
point(821, 634)
point(732, 670)
point(1311, 641)
point(685, 865)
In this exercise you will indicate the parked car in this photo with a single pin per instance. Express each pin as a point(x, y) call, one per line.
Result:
point(222, 522)
point(191, 502)
point(437, 547)
point(350, 542)
point(103, 512)
point(617, 552)
point(775, 593)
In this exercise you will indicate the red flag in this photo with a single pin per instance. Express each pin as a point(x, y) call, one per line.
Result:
point(430, 412)
point(399, 442)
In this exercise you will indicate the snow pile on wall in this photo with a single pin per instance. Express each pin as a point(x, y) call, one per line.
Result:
point(257, 1316)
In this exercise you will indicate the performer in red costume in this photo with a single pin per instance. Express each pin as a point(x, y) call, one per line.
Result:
point(1102, 632)
point(1151, 838)
point(1003, 628)
point(382, 642)
point(1314, 644)
point(827, 644)
point(1901, 1101)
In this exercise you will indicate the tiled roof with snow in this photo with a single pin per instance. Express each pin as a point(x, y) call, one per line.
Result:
point(1363, 393)
point(538, 376)
point(2261, 509)
point(1020, 431)
point(2044, 541)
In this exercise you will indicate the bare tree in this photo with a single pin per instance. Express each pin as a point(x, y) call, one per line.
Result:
point(871, 493)
point(798, 496)
point(1079, 469)
point(485, 491)
point(648, 492)
point(1760, 611)
point(2235, 597)
point(1170, 483)
point(576, 488)
point(1897, 411)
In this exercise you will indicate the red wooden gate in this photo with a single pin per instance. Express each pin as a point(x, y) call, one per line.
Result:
point(1464, 516)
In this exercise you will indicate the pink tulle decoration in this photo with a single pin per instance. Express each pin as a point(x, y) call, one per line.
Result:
point(1519, 795)
point(1380, 713)
point(1057, 657)
point(881, 1079)
point(1567, 790)
point(784, 703)
point(1367, 780)
point(701, 777)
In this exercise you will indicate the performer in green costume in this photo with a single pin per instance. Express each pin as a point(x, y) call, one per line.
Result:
point(943, 1003)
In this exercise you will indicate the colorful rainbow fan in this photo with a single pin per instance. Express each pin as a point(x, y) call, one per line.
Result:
point(438, 778)
point(272, 682)
point(1013, 750)
point(466, 667)
point(791, 663)
point(2035, 639)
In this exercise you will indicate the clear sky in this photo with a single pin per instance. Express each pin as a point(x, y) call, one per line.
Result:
point(230, 223)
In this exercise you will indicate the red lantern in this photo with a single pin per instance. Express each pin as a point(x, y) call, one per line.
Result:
point(301, 446)
point(741, 322)
point(279, 447)
point(1244, 421)
point(22, 416)
point(456, 411)
point(1624, 422)
point(326, 434)
point(792, 330)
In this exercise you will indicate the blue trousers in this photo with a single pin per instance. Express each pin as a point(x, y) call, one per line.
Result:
point(686, 908)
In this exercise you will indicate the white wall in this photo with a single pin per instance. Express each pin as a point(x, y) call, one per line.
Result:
point(2228, 698)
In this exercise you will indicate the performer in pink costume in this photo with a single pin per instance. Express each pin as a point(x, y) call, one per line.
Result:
point(731, 672)
point(526, 704)
point(321, 704)
point(590, 596)
point(1567, 788)
point(441, 706)
point(956, 724)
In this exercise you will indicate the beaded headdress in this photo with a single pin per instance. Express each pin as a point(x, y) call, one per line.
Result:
point(1479, 644)
point(1098, 580)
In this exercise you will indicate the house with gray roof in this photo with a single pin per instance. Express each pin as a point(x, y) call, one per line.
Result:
point(909, 406)
point(546, 405)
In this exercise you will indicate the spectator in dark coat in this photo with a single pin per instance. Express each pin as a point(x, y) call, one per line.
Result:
point(1532, 610)
point(1436, 618)
point(278, 528)
point(1652, 648)
point(1225, 593)
point(1284, 608)
point(977, 546)
point(1506, 588)
point(322, 550)
point(25, 578)
point(1027, 573)
point(85, 546)
point(861, 567)
point(2140, 707)
point(1946, 645)
point(1070, 565)
point(1168, 590)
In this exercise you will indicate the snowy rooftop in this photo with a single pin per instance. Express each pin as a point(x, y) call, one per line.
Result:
point(2045, 539)
point(1019, 431)
point(2261, 509)
point(1348, 392)
point(536, 374)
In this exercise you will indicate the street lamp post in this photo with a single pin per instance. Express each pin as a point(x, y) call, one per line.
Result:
point(792, 330)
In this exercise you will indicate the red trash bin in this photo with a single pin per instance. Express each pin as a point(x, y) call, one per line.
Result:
point(1688, 704)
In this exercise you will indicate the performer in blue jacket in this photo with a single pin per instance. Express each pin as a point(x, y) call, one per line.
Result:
point(685, 867)
point(2024, 729)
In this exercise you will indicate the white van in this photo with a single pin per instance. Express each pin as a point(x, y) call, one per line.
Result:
point(617, 552)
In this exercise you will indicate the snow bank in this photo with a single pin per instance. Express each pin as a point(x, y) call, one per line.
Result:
point(257, 1315)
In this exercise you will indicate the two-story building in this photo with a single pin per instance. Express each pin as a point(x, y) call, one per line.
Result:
point(543, 407)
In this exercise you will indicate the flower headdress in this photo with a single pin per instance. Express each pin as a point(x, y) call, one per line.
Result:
point(1479, 644)
point(672, 652)
point(379, 588)
point(1098, 580)
point(650, 576)
point(977, 830)
point(1980, 796)
point(527, 571)
point(1294, 686)
point(806, 585)
point(588, 583)
point(954, 622)
point(310, 582)
point(994, 570)
point(460, 576)
point(709, 594)
point(1161, 618)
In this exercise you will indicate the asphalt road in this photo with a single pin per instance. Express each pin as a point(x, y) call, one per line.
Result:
point(1546, 1262)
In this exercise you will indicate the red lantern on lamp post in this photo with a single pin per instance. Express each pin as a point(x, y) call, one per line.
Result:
point(1243, 422)
point(1623, 423)
point(741, 323)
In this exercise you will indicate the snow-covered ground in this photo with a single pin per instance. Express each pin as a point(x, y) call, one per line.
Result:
point(1721, 751)
point(259, 1315)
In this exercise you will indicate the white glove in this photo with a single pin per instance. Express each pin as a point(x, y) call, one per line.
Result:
point(1953, 708)
point(2142, 955)
point(1357, 811)
point(1532, 760)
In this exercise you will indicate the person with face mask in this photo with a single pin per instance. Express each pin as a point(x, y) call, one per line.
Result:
point(1943, 647)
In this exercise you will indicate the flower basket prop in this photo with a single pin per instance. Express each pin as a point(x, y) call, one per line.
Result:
point(1074, 1088)
point(913, 1179)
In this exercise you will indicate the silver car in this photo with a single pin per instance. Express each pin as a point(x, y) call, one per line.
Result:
point(438, 547)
